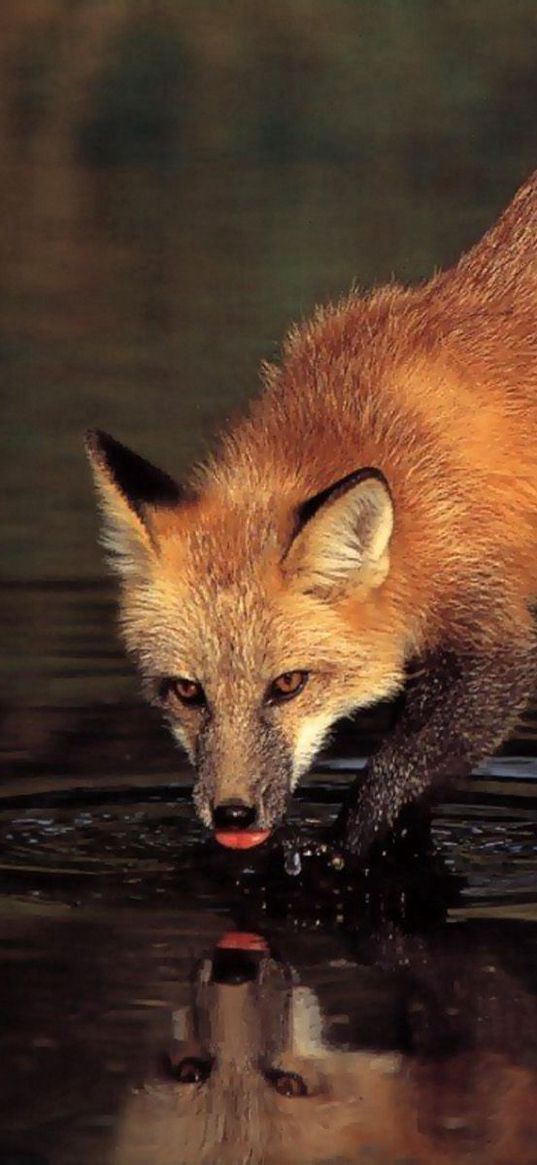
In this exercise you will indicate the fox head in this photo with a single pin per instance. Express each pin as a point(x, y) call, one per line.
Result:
point(248, 1077)
point(425, 1065)
point(257, 618)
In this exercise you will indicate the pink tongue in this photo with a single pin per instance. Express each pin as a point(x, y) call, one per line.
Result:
point(241, 839)
point(242, 940)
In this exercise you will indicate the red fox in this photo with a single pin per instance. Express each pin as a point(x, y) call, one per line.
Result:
point(376, 507)
point(441, 1073)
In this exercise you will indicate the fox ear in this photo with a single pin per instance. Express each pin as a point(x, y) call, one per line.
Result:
point(342, 535)
point(130, 490)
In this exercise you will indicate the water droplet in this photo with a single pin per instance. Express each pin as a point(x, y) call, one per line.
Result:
point(292, 862)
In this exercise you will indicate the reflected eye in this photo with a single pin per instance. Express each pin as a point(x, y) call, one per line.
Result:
point(289, 684)
point(191, 1070)
point(187, 691)
point(287, 1083)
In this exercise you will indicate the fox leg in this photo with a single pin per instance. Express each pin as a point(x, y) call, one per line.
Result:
point(457, 712)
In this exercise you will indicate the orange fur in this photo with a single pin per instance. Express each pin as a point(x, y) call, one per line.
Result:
point(437, 387)
point(434, 387)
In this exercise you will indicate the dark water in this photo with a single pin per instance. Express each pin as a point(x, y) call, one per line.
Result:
point(165, 1002)
point(177, 183)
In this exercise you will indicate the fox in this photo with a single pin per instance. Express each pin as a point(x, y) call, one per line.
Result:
point(372, 512)
point(431, 1069)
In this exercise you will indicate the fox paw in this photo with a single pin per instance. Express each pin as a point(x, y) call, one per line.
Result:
point(372, 843)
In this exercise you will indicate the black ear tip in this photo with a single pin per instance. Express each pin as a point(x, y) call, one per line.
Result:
point(95, 441)
point(309, 508)
point(137, 479)
point(103, 448)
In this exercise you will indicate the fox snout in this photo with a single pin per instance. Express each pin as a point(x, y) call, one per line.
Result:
point(236, 826)
point(234, 815)
point(238, 823)
point(243, 780)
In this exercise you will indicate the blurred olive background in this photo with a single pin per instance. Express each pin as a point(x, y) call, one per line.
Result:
point(178, 182)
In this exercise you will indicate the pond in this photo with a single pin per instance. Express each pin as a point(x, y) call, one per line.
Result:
point(178, 183)
point(167, 1001)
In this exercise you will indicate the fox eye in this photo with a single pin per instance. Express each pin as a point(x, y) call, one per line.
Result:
point(191, 1070)
point(187, 691)
point(289, 684)
point(287, 1083)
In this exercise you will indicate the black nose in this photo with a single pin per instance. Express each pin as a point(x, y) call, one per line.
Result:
point(233, 815)
point(234, 967)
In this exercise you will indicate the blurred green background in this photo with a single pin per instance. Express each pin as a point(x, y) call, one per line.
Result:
point(179, 181)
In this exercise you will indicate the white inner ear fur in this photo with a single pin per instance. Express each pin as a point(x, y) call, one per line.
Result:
point(349, 534)
point(126, 543)
point(124, 536)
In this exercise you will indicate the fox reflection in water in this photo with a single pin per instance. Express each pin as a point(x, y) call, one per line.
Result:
point(436, 1064)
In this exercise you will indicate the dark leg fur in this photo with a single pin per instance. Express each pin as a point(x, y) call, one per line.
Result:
point(457, 712)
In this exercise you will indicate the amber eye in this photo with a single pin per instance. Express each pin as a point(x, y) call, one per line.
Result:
point(187, 691)
point(289, 684)
point(287, 1083)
